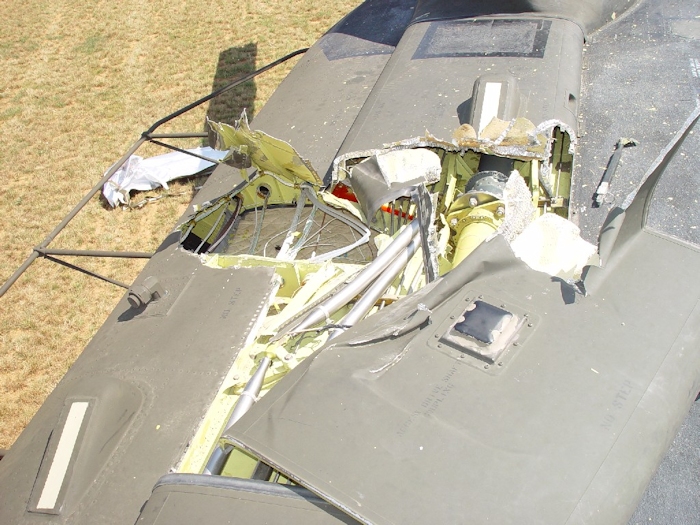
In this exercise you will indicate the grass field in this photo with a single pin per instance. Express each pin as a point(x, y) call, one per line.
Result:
point(79, 82)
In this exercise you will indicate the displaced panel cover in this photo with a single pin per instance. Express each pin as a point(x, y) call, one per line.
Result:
point(412, 432)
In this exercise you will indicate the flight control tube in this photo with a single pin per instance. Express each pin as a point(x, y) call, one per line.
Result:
point(247, 399)
point(374, 292)
point(362, 281)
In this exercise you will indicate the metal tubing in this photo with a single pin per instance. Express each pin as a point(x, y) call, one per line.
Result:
point(47, 252)
point(111, 171)
point(350, 221)
point(258, 227)
point(287, 243)
point(181, 150)
point(250, 394)
point(94, 253)
point(217, 460)
point(226, 228)
point(146, 135)
point(305, 231)
point(247, 399)
point(201, 135)
point(375, 291)
point(357, 285)
point(211, 230)
point(86, 272)
point(51, 236)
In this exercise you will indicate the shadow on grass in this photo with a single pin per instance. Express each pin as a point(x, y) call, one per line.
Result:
point(227, 107)
point(233, 63)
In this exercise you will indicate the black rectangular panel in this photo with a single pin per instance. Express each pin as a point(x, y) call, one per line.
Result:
point(485, 38)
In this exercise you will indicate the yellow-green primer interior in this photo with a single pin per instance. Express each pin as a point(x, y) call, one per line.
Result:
point(299, 284)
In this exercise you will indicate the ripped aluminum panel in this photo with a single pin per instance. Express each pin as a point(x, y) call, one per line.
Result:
point(267, 153)
point(518, 139)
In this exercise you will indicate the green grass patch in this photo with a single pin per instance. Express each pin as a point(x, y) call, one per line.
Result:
point(90, 44)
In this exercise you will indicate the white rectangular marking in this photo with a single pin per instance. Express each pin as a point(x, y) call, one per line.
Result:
point(695, 67)
point(489, 109)
point(61, 459)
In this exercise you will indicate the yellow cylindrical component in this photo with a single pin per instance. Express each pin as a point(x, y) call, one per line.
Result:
point(470, 237)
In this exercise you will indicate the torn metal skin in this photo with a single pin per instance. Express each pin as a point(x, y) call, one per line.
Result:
point(395, 317)
point(420, 180)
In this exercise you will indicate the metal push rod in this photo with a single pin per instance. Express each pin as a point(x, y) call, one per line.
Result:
point(361, 281)
point(51, 236)
point(375, 291)
point(181, 150)
point(201, 135)
point(94, 253)
point(145, 136)
point(246, 400)
point(86, 271)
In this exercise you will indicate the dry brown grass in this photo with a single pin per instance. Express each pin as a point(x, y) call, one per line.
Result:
point(79, 82)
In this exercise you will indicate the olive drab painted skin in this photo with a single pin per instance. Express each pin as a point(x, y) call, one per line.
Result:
point(491, 393)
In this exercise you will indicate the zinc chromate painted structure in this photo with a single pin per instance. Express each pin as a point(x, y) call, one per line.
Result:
point(413, 292)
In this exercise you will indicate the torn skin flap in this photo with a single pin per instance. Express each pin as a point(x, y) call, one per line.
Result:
point(518, 139)
point(267, 153)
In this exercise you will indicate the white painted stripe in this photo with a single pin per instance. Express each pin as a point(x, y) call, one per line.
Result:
point(61, 459)
point(492, 99)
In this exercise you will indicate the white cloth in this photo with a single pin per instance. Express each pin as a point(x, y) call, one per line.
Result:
point(146, 174)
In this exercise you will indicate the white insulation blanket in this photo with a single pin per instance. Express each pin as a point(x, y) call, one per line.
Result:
point(146, 174)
